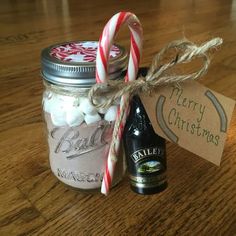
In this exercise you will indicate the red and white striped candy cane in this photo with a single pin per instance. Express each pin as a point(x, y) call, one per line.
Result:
point(105, 42)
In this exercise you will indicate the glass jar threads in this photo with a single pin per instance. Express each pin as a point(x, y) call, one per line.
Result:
point(79, 135)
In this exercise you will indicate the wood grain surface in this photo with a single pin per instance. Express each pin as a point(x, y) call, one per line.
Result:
point(200, 199)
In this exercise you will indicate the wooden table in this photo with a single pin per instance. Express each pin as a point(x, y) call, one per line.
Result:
point(200, 199)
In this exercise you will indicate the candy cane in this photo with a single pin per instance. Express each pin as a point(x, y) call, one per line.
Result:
point(105, 42)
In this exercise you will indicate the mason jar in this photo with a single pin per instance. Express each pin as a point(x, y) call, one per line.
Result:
point(78, 133)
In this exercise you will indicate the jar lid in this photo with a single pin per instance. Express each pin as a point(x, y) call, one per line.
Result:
point(74, 63)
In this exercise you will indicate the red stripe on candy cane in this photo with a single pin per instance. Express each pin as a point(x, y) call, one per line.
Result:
point(135, 47)
point(134, 59)
point(121, 130)
point(107, 177)
point(105, 43)
point(121, 18)
point(136, 55)
point(98, 78)
point(104, 60)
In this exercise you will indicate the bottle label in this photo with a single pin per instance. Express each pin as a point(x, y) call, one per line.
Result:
point(146, 152)
point(148, 181)
point(148, 168)
point(148, 160)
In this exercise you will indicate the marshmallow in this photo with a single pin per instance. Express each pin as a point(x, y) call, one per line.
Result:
point(66, 102)
point(47, 98)
point(86, 106)
point(58, 118)
point(74, 117)
point(46, 104)
point(102, 110)
point(57, 110)
point(111, 113)
point(89, 119)
point(66, 99)
point(56, 104)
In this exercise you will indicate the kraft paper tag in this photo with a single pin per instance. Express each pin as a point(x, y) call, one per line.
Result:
point(191, 115)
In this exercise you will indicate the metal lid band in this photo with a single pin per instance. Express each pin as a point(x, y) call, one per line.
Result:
point(78, 73)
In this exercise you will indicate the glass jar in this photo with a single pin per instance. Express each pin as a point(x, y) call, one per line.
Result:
point(79, 135)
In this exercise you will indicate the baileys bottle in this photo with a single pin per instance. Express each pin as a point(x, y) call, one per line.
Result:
point(145, 152)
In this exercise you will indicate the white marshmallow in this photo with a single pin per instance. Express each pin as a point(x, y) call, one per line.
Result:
point(86, 106)
point(49, 104)
point(46, 105)
point(74, 117)
point(66, 102)
point(56, 104)
point(66, 99)
point(111, 113)
point(102, 110)
point(89, 119)
point(58, 118)
point(57, 110)
point(47, 98)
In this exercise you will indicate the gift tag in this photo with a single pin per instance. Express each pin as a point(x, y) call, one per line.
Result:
point(191, 115)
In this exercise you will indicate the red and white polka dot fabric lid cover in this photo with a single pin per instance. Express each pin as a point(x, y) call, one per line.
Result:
point(73, 63)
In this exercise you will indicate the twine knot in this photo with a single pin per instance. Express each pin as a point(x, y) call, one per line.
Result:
point(103, 95)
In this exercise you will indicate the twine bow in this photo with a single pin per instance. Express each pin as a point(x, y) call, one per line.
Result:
point(186, 51)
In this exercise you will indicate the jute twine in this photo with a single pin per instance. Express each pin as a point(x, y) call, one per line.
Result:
point(103, 95)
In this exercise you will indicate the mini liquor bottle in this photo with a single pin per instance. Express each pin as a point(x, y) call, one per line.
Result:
point(145, 152)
